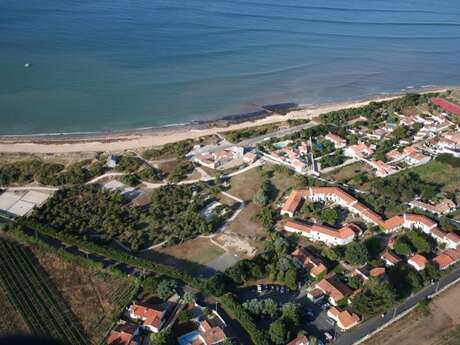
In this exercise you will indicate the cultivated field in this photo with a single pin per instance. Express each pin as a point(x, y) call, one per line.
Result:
point(416, 329)
point(33, 294)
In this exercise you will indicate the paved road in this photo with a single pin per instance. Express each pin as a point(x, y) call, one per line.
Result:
point(372, 325)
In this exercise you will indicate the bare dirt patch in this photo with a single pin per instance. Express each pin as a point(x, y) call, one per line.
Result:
point(416, 329)
point(199, 250)
point(236, 244)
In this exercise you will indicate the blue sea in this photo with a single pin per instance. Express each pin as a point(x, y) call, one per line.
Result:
point(98, 65)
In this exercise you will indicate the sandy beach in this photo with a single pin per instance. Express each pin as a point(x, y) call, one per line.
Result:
point(129, 140)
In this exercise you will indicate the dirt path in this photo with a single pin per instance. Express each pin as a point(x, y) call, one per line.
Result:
point(416, 329)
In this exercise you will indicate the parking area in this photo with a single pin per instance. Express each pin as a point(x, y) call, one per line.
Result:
point(317, 324)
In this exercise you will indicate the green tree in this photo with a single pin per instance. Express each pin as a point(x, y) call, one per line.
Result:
point(374, 298)
point(166, 288)
point(162, 338)
point(189, 297)
point(291, 279)
point(356, 253)
point(329, 216)
point(419, 243)
point(401, 247)
point(290, 311)
point(279, 332)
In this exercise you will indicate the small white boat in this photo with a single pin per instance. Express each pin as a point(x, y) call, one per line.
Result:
point(27, 65)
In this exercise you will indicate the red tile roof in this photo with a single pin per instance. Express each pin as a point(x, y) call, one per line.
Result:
point(292, 202)
point(420, 219)
point(443, 260)
point(393, 223)
point(211, 335)
point(302, 340)
point(334, 288)
point(393, 258)
point(121, 334)
point(419, 260)
point(377, 271)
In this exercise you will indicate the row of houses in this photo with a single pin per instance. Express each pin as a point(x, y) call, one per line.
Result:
point(346, 234)
point(146, 318)
point(296, 158)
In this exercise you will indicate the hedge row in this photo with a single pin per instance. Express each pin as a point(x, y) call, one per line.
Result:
point(114, 254)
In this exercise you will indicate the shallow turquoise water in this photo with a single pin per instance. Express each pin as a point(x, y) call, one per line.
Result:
point(103, 65)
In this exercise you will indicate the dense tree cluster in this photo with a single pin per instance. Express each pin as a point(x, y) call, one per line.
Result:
point(174, 214)
point(89, 209)
point(356, 253)
point(390, 193)
point(49, 173)
point(333, 160)
point(274, 263)
point(374, 298)
point(250, 132)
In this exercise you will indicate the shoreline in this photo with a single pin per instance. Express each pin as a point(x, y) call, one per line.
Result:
point(117, 141)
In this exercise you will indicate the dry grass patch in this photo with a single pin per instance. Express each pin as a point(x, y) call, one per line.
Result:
point(245, 185)
point(11, 320)
point(94, 296)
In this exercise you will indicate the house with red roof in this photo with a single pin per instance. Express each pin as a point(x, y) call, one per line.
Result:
point(335, 289)
point(390, 258)
point(300, 340)
point(210, 332)
point(311, 263)
point(153, 316)
point(124, 334)
point(359, 151)
point(418, 262)
point(339, 142)
point(345, 320)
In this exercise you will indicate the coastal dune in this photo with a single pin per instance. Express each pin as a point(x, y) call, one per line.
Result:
point(117, 142)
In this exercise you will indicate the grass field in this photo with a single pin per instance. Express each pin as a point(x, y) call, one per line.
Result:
point(345, 173)
point(34, 296)
point(94, 296)
point(439, 173)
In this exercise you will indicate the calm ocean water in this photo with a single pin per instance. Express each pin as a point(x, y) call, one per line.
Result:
point(114, 64)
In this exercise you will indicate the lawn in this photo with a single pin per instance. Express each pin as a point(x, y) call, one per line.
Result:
point(95, 297)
